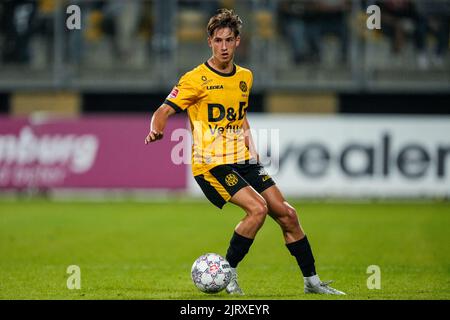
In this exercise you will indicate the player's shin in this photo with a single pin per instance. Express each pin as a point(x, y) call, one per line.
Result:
point(302, 252)
point(239, 246)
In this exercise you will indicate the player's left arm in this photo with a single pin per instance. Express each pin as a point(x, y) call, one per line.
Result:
point(249, 143)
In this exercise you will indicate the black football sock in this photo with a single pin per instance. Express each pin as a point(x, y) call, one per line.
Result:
point(239, 246)
point(301, 250)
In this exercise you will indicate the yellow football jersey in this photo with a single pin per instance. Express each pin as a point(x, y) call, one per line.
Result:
point(216, 104)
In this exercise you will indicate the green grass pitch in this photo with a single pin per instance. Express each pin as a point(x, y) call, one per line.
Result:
point(133, 250)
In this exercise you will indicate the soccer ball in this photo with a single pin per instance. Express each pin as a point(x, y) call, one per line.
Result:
point(211, 273)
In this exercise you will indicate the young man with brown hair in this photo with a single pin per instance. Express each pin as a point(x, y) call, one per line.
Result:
point(224, 159)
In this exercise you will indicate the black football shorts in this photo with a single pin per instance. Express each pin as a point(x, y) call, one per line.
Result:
point(222, 182)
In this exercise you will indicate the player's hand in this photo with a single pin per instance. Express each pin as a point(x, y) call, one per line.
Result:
point(153, 136)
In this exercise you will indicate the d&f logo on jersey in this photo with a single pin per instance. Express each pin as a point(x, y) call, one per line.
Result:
point(231, 179)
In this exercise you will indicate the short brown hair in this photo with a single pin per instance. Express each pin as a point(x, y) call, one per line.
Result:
point(224, 18)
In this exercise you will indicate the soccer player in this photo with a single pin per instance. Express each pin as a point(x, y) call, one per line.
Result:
point(225, 163)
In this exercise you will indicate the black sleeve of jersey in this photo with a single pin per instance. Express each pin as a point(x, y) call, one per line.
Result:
point(173, 105)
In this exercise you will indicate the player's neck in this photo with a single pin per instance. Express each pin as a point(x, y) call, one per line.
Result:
point(222, 67)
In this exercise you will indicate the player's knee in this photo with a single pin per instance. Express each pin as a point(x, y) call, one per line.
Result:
point(259, 211)
point(290, 217)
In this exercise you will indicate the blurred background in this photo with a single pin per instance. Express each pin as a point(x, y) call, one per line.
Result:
point(360, 112)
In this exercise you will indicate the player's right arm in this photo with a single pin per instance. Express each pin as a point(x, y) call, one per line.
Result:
point(158, 123)
point(182, 96)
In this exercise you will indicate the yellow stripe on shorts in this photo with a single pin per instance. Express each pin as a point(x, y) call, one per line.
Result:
point(216, 185)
